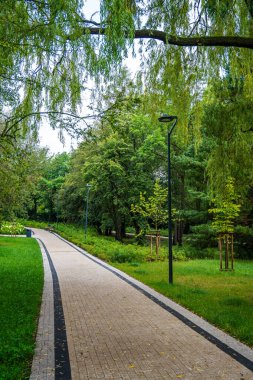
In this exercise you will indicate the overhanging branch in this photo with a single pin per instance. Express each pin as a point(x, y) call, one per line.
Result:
point(225, 41)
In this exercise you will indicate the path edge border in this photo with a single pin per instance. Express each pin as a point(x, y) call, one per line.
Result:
point(231, 346)
point(43, 364)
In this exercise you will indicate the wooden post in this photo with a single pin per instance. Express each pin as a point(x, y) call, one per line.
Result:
point(220, 251)
point(226, 254)
point(232, 251)
point(151, 243)
point(156, 242)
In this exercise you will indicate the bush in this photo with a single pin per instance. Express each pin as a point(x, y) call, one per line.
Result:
point(123, 257)
point(11, 228)
point(243, 242)
point(201, 237)
point(33, 223)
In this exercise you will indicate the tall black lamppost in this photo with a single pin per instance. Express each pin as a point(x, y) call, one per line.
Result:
point(88, 186)
point(165, 118)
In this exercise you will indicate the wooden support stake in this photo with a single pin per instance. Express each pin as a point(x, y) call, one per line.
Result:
point(232, 252)
point(157, 245)
point(220, 251)
point(226, 254)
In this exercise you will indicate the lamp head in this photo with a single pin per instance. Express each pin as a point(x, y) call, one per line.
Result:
point(165, 118)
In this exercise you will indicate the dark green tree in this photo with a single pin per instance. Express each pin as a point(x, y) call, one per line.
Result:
point(119, 159)
point(46, 197)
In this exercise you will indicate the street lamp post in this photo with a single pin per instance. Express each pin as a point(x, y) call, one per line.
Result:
point(88, 186)
point(57, 211)
point(165, 118)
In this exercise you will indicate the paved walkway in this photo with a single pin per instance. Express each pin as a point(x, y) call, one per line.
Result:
point(116, 331)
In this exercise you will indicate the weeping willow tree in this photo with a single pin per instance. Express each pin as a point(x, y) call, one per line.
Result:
point(48, 50)
point(227, 120)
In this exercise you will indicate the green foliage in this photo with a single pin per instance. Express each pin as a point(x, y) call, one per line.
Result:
point(154, 207)
point(118, 158)
point(33, 223)
point(226, 209)
point(227, 121)
point(20, 168)
point(11, 228)
point(202, 236)
point(21, 284)
point(47, 196)
point(106, 248)
point(66, 45)
point(243, 243)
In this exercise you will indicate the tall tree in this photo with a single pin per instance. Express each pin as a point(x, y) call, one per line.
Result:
point(46, 196)
point(20, 169)
point(119, 159)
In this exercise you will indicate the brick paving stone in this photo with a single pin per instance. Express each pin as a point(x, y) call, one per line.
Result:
point(115, 332)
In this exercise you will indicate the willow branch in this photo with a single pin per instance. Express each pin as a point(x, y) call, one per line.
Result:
point(225, 41)
point(249, 5)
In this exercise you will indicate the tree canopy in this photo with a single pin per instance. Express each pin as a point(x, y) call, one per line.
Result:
point(195, 61)
point(48, 49)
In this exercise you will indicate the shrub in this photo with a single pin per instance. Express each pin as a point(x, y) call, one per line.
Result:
point(12, 228)
point(123, 257)
point(201, 236)
point(243, 242)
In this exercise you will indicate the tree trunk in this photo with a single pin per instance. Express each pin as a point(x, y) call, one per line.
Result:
point(137, 228)
point(175, 239)
point(180, 232)
point(98, 228)
point(123, 230)
point(108, 231)
point(118, 228)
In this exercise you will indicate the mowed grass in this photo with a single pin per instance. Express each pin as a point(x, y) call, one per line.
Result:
point(223, 298)
point(21, 282)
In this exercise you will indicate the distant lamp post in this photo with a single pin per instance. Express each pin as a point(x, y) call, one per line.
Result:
point(165, 118)
point(88, 186)
point(57, 211)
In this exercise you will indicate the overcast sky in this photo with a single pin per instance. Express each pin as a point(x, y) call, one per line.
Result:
point(49, 137)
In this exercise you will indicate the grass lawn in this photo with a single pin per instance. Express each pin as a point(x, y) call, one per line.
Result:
point(223, 298)
point(21, 282)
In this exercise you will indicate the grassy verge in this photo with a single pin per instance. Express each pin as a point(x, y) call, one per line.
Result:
point(108, 249)
point(21, 282)
point(223, 298)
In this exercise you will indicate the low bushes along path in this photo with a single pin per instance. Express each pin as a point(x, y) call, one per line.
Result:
point(98, 323)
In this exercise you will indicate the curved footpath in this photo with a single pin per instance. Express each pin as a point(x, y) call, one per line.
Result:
point(98, 323)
